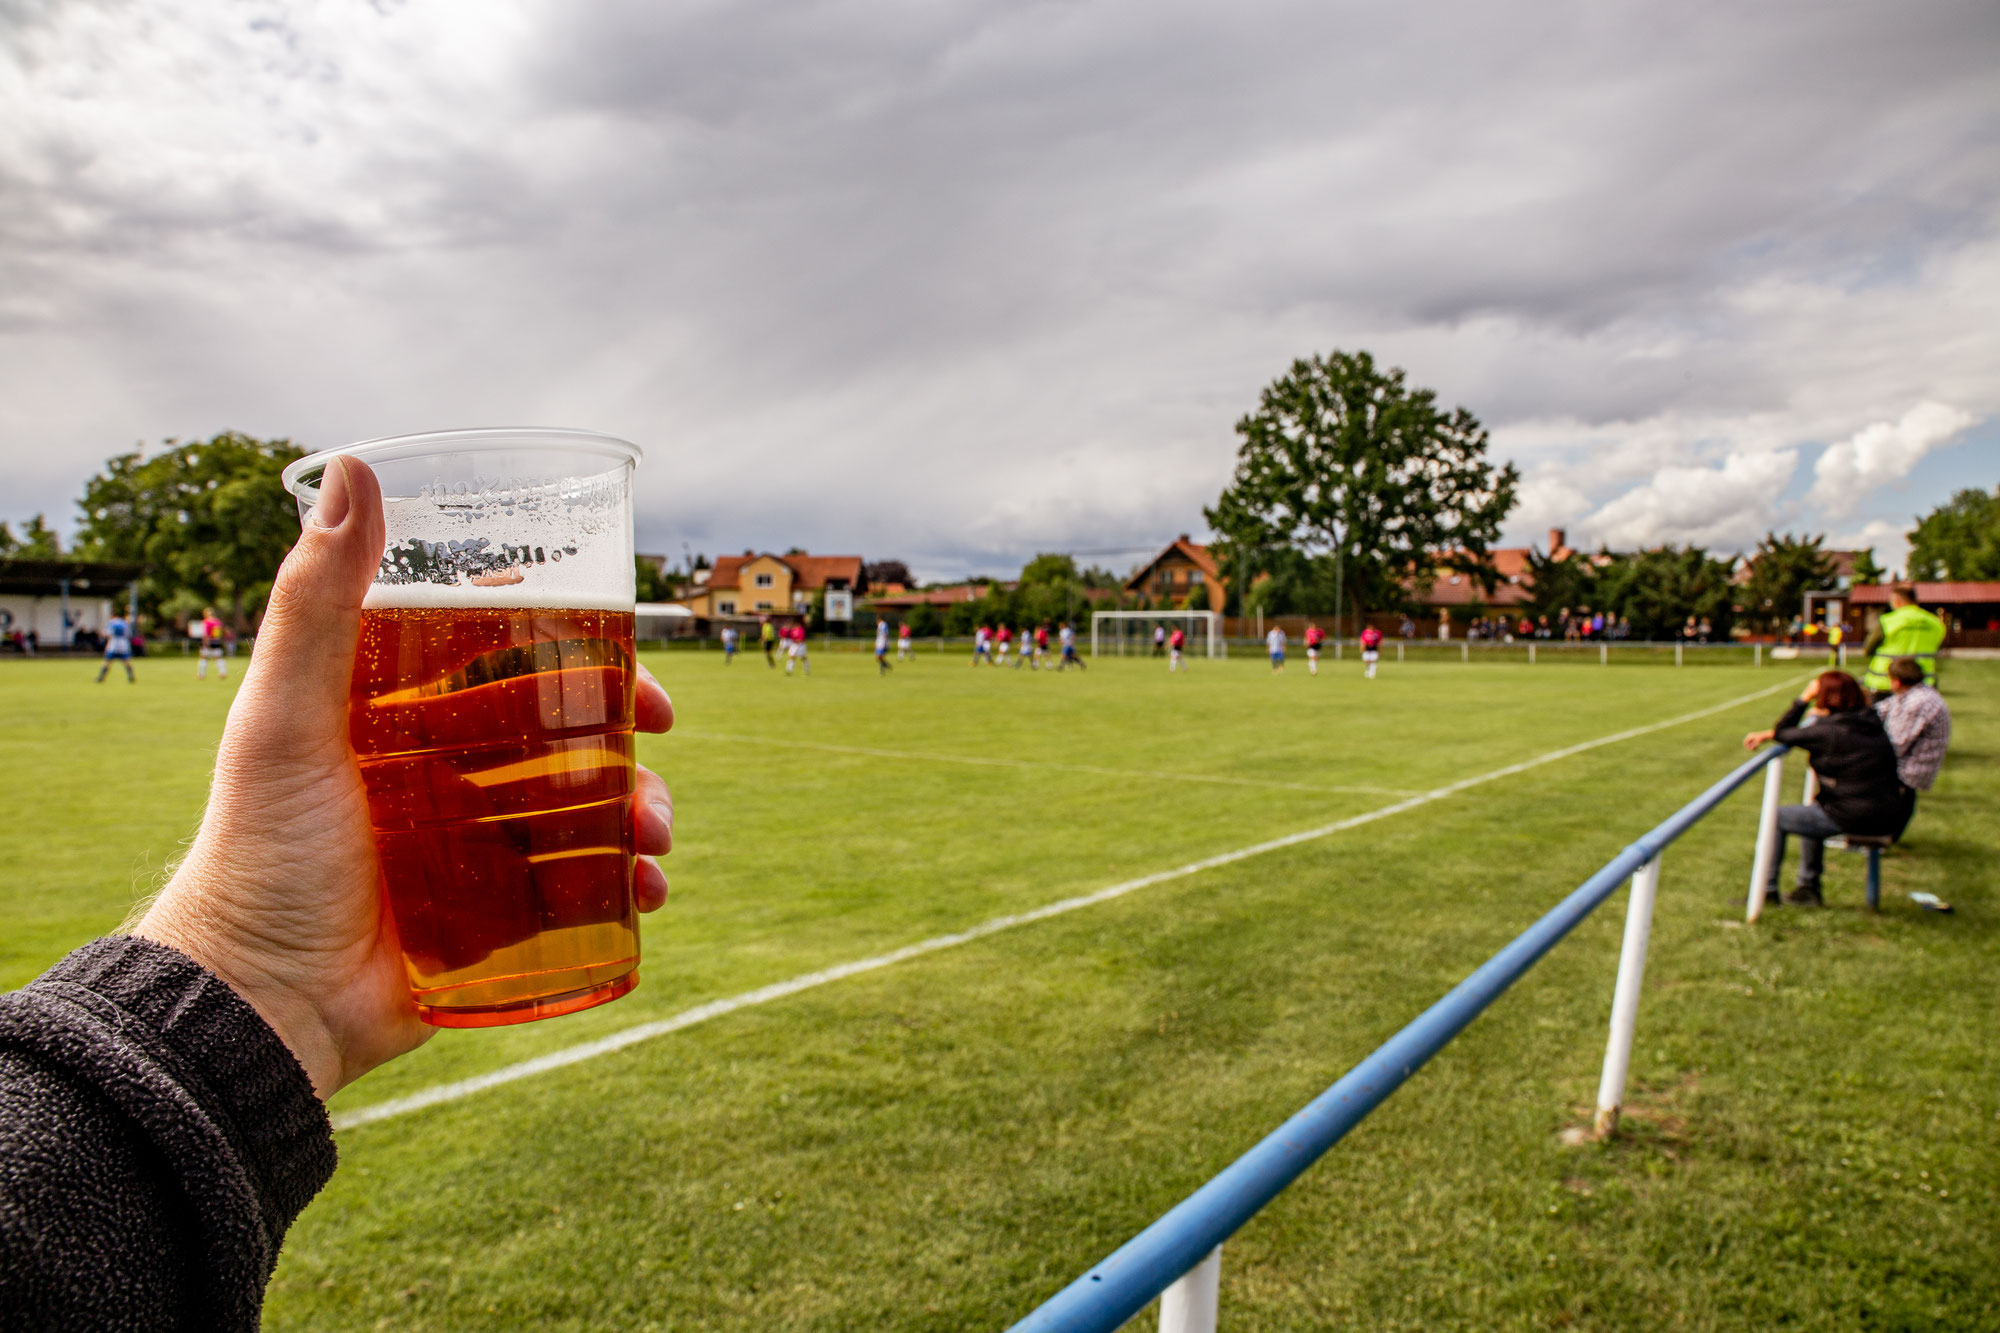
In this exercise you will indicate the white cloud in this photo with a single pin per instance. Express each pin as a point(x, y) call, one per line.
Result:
point(949, 282)
point(1727, 506)
point(1879, 454)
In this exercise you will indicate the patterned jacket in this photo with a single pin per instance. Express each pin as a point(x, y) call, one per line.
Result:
point(1919, 726)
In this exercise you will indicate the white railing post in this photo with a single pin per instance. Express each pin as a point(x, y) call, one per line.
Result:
point(1603, 654)
point(1531, 654)
point(1809, 789)
point(1465, 650)
point(1678, 645)
point(1757, 654)
point(1399, 651)
point(1625, 997)
point(1767, 839)
point(1189, 1306)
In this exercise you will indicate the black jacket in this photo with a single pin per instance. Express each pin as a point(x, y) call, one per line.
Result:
point(1856, 764)
point(156, 1140)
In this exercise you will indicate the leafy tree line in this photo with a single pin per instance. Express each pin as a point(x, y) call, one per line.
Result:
point(1354, 491)
point(1050, 590)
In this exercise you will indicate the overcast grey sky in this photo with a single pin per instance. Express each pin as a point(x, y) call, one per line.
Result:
point(955, 282)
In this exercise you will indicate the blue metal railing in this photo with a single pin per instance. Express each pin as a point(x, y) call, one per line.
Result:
point(1122, 1284)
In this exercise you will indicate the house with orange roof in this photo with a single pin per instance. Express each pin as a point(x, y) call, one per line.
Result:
point(1452, 590)
point(762, 584)
point(1183, 567)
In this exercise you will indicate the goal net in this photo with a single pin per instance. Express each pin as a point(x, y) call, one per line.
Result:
point(1130, 633)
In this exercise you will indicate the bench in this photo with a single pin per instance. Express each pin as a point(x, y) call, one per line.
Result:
point(1873, 844)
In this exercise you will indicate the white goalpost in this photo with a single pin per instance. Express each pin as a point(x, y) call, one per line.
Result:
point(1208, 623)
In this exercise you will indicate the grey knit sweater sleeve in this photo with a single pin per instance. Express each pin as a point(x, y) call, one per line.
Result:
point(156, 1140)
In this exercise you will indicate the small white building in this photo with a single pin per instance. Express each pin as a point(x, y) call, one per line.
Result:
point(56, 598)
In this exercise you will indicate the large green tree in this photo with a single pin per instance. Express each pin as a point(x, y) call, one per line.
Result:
point(209, 519)
point(1958, 540)
point(1782, 571)
point(1344, 460)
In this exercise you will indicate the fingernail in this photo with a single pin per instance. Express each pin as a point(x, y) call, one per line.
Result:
point(332, 508)
point(665, 810)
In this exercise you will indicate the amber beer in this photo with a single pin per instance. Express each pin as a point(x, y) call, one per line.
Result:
point(497, 749)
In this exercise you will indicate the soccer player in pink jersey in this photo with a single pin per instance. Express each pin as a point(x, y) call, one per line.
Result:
point(1315, 636)
point(1176, 642)
point(1001, 638)
point(1371, 650)
point(213, 647)
point(903, 652)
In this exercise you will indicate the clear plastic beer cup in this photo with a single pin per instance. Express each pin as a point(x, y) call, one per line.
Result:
point(491, 710)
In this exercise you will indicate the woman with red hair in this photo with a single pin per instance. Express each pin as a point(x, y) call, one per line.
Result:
point(1855, 762)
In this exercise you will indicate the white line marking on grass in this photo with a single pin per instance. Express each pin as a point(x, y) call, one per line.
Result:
point(701, 1013)
point(987, 761)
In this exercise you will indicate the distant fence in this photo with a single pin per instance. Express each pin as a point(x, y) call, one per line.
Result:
point(1559, 652)
point(1179, 1257)
point(1527, 652)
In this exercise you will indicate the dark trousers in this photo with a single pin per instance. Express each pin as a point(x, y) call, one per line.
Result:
point(1812, 826)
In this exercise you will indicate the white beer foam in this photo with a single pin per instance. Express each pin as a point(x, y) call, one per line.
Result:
point(556, 546)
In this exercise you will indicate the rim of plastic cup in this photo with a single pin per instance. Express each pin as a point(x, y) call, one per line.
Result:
point(390, 448)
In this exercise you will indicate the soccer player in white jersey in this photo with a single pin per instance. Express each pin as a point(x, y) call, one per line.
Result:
point(117, 648)
point(882, 646)
point(1275, 641)
point(1067, 637)
point(981, 647)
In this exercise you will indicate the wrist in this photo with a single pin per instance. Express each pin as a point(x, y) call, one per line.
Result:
point(294, 1020)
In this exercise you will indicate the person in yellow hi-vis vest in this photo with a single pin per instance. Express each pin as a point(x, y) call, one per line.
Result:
point(1907, 630)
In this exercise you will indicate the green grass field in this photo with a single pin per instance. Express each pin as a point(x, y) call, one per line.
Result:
point(1813, 1139)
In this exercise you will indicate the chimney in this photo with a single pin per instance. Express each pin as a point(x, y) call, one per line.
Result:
point(1557, 540)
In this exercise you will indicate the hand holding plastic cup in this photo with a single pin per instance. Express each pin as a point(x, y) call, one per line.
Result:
point(492, 711)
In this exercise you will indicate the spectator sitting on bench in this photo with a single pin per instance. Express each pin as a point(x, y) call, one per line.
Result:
point(1859, 791)
point(1918, 723)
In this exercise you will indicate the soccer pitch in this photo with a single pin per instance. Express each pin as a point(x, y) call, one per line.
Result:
point(1812, 1141)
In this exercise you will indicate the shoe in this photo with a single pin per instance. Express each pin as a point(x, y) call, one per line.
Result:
point(1805, 897)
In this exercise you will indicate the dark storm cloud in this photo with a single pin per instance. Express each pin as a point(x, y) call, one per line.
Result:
point(989, 277)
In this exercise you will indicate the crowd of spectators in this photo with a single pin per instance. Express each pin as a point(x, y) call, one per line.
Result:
point(1581, 625)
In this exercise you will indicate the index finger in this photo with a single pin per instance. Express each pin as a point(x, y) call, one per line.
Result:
point(655, 711)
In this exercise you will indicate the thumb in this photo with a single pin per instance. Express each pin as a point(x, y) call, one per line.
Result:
point(299, 674)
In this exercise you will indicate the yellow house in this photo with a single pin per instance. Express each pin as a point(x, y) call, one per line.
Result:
point(754, 584)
